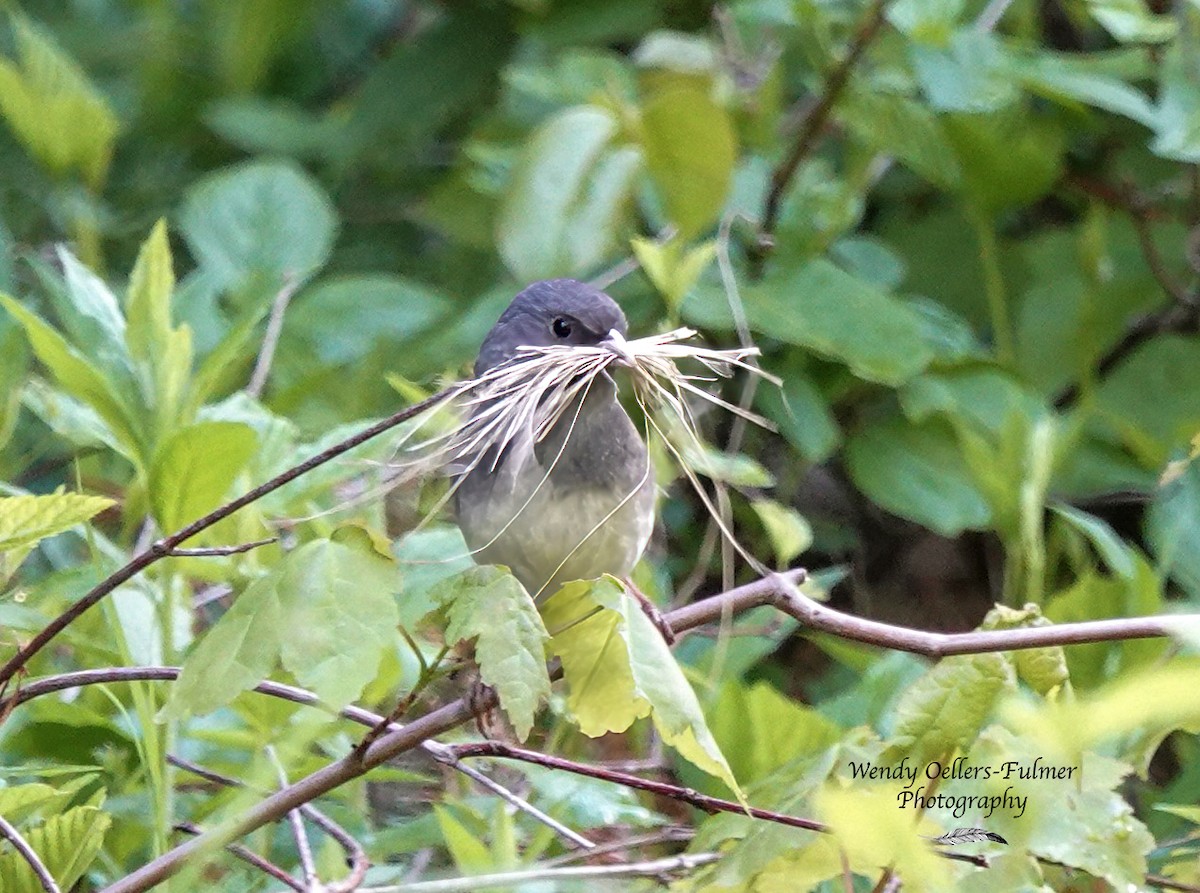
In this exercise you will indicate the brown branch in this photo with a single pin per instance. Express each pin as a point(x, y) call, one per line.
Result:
point(21, 845)
point(164, 547)
point(266, 354)
point(1183, 311)
point(355, 854)
point(778, 590)
point(703, 802)
point(218, 551)
point(814, 121)
point(249, 856)
point(308, 866)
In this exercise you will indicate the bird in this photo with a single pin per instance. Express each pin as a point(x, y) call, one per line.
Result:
point(579, 503)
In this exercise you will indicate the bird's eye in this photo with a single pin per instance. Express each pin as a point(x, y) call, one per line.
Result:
point(562, 328)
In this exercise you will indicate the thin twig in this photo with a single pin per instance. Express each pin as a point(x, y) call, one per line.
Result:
point(163, 548)
point(676, 834)
point(249, 856)
point(814, 121)
point(217, 551)
point(500, 750)
point(1166, 883)
point(355, 854)
point(773, 589)
point(21, 845)
point(312, 882)
point(266, 354)
point(653, 868)
point(992, 14)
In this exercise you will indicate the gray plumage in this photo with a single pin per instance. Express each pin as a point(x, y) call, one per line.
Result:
point(581, 502)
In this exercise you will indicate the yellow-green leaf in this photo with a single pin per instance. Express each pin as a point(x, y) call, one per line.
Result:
point(24, 520)
point(489, 605)
point(194, 469)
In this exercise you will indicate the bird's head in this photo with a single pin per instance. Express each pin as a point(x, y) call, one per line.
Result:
point(554, 311)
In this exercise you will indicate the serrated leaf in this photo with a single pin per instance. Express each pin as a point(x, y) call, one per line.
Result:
point(1042, 669)
point(24, 520)
point(489, 605)
point(338, 602)
point(261, 219)
point(602, 694)
point(618, 668)
point(194, 469)
point(66, 843)
point(79, 378)
point(945, 709)
point(232, 657)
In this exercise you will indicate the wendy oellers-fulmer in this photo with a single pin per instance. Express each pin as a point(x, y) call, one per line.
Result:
point(1010, 770)
point(959, 768)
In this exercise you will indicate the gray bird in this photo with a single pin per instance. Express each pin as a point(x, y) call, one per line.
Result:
point(544, 508)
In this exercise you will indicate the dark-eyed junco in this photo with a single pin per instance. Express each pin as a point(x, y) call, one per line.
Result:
point(580, 502)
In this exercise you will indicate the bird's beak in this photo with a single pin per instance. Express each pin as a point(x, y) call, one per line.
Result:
point(615, 343)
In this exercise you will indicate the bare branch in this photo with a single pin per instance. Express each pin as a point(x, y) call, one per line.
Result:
point(163, 548)
point(266, 354)
point(21, 845)
point(814, 121)
point(217, 551)
point(312, 882)
point(249, 856)
point(652, 868)
point(500, 750)
point(775, 589)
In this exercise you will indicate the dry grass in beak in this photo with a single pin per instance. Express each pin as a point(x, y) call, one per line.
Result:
point(529, 395)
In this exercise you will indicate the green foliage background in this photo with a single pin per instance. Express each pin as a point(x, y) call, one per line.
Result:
point(981, 289)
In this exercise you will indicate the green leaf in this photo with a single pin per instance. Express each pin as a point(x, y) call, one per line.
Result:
point(427, 557)
point(790, 534)
point(826, 310)
point(234, 656)
point(946, 708)
point(1042, 669)
point(982, 395)
point(1129, 21)
point(1064, 77)
point(55, 111)
point(79, 378)
point(24, 520)
point(1177, 130)
point(602, 693)
point(1108, 544)
point(148, 300)
point(67, 844)
point(917, 472)
point(618, 669)
point(761, 729)
point(1009, 159)
point(1081, 821)
point(471, 855)
point(901, 127)
point(1146, 400)
point(690, 148)
point(874, 834)
point(567, 197)
point(802, 413)
point(1173, 528)
point(671, 267)
point(737, 469)
point(489, 605)
point(343, 318)
point(98, 325)
point(265, 220)
point(965, 75)
point(339, 610)
point(194, 469)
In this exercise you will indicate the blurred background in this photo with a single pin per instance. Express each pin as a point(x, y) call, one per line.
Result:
point(965, 234)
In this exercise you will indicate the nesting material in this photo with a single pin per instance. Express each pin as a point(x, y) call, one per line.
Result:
point(530, 394)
